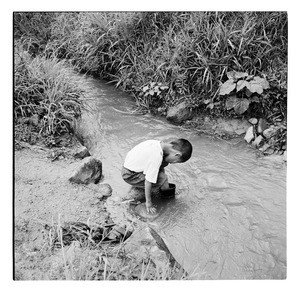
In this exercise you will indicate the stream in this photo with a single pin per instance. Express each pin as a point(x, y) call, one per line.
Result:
point(228, 220)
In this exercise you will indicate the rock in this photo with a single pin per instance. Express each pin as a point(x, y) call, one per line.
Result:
point(242, 127)
point(160, 111)
point(262, 125)
point(89, 171)
point(258, 141)
point(105, 190)
point(249, 134)
point(264, 147)
point(284, 156)
point(82, 152)
point(142, 245)
point(179, 113)
point(269, 151)
point(270, 132)
point(240, 131)
point(114, 235)
point(253, 121)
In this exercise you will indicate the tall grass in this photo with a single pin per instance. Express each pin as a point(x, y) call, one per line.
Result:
point(48, 90)
point(190, 52)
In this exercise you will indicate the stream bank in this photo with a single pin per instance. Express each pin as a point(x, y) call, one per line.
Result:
point(223, 182)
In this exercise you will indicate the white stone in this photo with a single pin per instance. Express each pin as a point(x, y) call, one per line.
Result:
point(249, 135)
point(284, 156)
point(253, 121)
point(258, 141)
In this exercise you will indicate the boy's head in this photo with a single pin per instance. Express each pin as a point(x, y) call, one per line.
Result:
point(180, 151)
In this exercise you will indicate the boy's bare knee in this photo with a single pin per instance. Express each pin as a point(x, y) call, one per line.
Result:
point(165, 185)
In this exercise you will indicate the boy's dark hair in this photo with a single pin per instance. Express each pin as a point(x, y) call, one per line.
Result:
point(185, 147)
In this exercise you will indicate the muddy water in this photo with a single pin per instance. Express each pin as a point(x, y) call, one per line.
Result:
point(228, 220)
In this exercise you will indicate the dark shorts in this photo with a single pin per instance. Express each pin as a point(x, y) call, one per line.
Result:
point(137, 179)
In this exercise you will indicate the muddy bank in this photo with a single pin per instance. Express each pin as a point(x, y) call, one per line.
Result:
point(45, 199)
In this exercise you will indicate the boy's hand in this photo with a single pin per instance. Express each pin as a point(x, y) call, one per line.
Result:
point(150, 208)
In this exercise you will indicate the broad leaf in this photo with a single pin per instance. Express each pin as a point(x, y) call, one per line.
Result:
point(262, 81)
point(230, 102)
point(241, 84)
point(258, 85)
point(241, 105)
point(227, 87)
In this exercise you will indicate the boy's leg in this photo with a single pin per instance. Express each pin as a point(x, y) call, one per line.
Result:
point(162, 181)
point(136, 179)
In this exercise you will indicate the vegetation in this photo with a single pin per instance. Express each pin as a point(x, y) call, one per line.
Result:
point(48, 96)
point(184, 55)
point(222, 63)
point(73, 252)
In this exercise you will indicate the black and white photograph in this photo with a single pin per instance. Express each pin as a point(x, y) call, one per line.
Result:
point(150, 145)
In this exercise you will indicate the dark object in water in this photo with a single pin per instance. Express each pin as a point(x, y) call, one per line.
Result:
point(169, 193)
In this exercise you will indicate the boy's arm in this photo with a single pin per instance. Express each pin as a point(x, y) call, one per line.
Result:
point(150, 208)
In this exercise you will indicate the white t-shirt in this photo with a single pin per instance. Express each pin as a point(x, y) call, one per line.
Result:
point(145, 157)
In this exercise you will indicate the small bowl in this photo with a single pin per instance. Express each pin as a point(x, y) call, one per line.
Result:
point(170, 193)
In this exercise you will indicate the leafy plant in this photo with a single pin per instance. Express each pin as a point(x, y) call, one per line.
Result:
point(154, 89)
point(242, 89)
point(151, 94)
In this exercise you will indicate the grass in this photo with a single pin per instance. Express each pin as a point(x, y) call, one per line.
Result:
point(190, 52)
point(64, 258)
point(47, 94)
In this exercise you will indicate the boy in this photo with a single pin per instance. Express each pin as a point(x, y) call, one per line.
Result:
point(144, 165)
